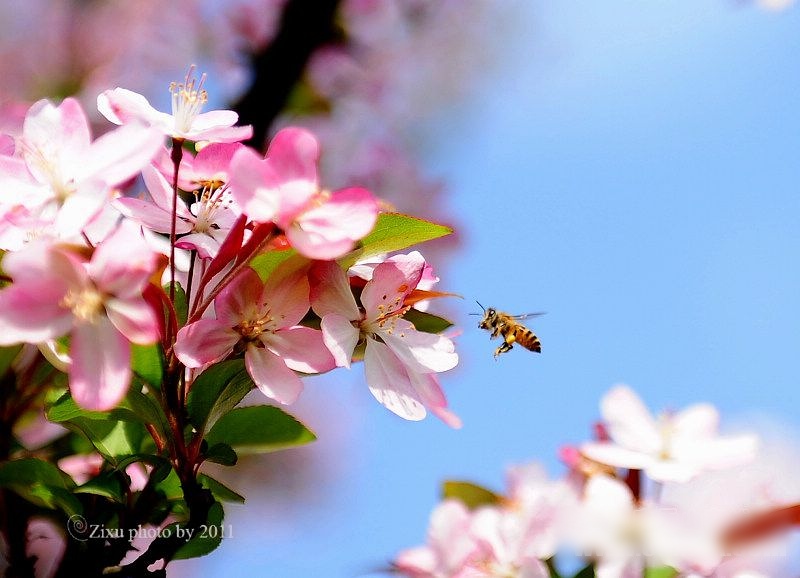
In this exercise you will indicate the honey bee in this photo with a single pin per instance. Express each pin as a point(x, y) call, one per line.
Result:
point(508, 326)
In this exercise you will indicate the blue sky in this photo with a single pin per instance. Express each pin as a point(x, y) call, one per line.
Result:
point(631, 168)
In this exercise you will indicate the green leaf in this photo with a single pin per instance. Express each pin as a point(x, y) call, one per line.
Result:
point(7, 355)
point(221, 454)
point(32, 470)
point(147, 362)
point(170, 485)
point(660, 572)
point(587, 572)
point(106, 484)
point(472, 495)
point(259, 429)
point(426, 322)
point(206, 538)
point(40, 483)
point(216, 391)
point(392, 232)
point(180, 304)
point(265, 263)
point(220, 490)
point(147, 410)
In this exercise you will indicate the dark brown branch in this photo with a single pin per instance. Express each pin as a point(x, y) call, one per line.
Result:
point(305, 26)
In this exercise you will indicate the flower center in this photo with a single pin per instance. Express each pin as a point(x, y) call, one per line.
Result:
point(86, 304)
point(252, 329)
point(188, 99)
point(211, 199)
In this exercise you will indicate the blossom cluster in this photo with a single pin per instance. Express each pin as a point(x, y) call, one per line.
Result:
point(650, 495)
point(94, 272)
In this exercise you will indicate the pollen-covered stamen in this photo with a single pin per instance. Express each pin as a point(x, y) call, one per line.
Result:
point(86, 304)
point(252, 329)
point(209, 201)
point(188, 99)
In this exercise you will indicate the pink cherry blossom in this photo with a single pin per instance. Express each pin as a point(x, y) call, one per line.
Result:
point(97, 302)
point(187, 122)
point(284, 188)
point(203, 226)
point(399, 361)
point(63, 177)
point(673, 447)
point(450, 547)
point(511, 542)
point(262, 320)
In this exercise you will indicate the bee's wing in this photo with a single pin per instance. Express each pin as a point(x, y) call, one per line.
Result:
point(528, 315)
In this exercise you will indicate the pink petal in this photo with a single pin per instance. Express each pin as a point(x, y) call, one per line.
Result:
point(219, 134)
point(391, 283)
point(330, 291)
point(696, 422)
point(33, 314)
point(254, 185)
point(122, 106)
point(429, 390)
point(271, 375)
point(162, 193)
point(286, 294)
point(241, 299)
point(629, 422)
point(100, 372)
point(151, 215)
point(313, 245)
point(134, 318)
point(389, 383)
point(204, 341)
point(419, 561)
point(301, 349)
point(424, 352)
point(349, 214)
point(214, 119)
point(81, 207)
point(60, 134)
point(214, 160)
point(340, 338)
point(120, 154)
point(123, 263)
point(294, 154)
point(717, 453)
point(206, 246)
point(617, 456)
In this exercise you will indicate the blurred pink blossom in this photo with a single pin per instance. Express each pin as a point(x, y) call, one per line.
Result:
point(97, 302)
point(672, 447)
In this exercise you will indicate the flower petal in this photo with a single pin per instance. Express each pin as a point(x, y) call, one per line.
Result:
point(150, 215)
point(120, 154)
point(617, 456)
point(204, 341)
point(420, 351)
point(33, 315)
point(134, 318)
point(629, 422)
point(340, 337)
point(122, 106)
point(254, 185)
point(389, 383)
point(100, 372)
point(123, 263)
point(271, 375)
point(301, 349)
point(241, 299)
point(330, 291)
point(391, 282)
point(294, 154)
point(286, 294)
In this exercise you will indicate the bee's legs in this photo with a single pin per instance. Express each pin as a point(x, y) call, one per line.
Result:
point(503, 348)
